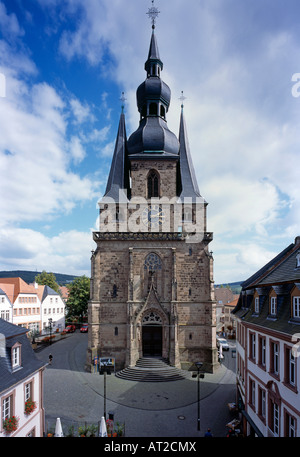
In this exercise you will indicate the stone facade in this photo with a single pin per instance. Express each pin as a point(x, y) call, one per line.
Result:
point(178, 294)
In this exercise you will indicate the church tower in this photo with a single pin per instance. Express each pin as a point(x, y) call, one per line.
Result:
point(152, 273)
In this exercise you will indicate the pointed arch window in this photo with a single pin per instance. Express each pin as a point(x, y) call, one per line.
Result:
point(153, 184)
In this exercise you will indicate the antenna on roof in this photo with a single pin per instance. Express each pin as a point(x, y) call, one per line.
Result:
point(153, 13)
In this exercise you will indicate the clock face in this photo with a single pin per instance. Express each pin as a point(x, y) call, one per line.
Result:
point(153, 216)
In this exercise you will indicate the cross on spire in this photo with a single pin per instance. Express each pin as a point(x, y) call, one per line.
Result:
point(153, 13)
point(123, 99)
point(182, 98)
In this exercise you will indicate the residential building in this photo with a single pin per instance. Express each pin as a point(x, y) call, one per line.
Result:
point(229, 321)
point(25, 301)
point(152, 288)
point(52, 309)
point(223, 295)
point(21, 382)
point(6, 306)
point(268, 334)
point(31, 305)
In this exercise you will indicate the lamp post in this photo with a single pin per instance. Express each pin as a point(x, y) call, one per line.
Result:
point(199, 365)
point(50, 328)
point(104, 369)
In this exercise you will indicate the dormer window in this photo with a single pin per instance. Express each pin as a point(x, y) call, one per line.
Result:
point(256, 305)
point(298, 260)
point(296, 307)
point(16, 356)
point(273, 306)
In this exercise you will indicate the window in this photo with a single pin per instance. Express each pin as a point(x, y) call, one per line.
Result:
point(7, 407)
point(296, 307)
point(262, 352)
point(16, 356)
point(152, 262)
point(252, 346)
point(262, 403)
point(275, 419)
point(28, 391)
point(153, 184)
point(273, 306)
point(290, 426)
point(256, 305)
point(274, 358)
point(153, 109)
point(290, 367)
point(252, 394)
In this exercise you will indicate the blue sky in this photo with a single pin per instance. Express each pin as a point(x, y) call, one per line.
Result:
point(63, 67)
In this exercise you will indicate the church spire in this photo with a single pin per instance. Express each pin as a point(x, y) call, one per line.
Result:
point(118, 180)
point(189, 183)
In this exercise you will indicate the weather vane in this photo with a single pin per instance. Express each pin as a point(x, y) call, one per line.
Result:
point(123, 99)
point(153, 13)
point(182, 98)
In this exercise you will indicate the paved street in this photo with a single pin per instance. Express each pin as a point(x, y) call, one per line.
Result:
point(148, 409)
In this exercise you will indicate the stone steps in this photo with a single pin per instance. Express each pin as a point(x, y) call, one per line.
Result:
point(152, 369)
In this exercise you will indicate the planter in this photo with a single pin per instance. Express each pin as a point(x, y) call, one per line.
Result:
point(30, 406)
point(10, 424)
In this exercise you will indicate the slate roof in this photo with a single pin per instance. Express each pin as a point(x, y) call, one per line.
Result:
point(9, 335)
point(280, 275)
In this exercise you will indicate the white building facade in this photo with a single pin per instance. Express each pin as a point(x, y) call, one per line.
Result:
point(31, 306)
point(21, 385)
point(6, 307)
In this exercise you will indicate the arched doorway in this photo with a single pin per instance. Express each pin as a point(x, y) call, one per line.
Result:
point(152, 335)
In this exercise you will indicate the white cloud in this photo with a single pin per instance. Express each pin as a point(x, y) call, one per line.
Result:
point(76, 149)
point(36, 178)
point(31, 250)
point(234, 69)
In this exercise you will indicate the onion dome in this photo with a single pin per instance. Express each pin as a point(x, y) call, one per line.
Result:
point(153, 100)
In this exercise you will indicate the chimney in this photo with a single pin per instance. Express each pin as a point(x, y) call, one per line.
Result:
point(297, 240)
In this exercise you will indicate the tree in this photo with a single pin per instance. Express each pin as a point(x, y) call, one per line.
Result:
point(79, 295)
point(47, 279)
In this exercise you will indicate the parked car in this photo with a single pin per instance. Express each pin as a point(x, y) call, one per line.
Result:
point(84, 328)
point(70, 328)
point(222, 342)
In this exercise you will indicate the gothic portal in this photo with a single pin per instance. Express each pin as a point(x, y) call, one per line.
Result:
point(152, 273)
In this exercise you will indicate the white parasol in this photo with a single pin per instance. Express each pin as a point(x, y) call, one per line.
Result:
point(58, 429)
point(103, 429)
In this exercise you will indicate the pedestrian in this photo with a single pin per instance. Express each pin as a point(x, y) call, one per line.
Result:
point(50, 359)
point(208, 434)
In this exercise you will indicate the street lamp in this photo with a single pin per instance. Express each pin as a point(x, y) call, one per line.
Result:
point(50, 327)
point(199, 365)
point(104, 369)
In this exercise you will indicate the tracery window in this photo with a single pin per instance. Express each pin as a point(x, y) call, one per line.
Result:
point(152, 318)
point(153, 184)
point(152, 262)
